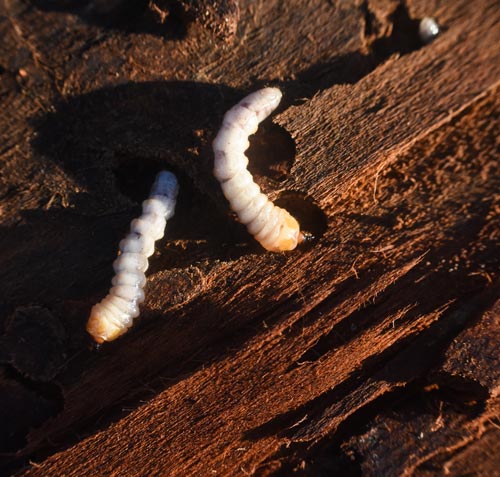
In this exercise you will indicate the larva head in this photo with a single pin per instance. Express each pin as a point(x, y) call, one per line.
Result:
point(102, 329)
point(289, 235)
point(263, 102)
point(165, 184)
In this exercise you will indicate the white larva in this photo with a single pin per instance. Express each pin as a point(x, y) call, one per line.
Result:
point(114, 315)
point(428, 29)
point(272, 226)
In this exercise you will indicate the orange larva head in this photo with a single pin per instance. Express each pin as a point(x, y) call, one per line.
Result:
point(289, 235)
point(102, 329)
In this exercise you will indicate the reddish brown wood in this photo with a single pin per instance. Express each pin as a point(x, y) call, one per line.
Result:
point(332, 359)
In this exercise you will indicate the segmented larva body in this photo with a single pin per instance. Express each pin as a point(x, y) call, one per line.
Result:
point(272, 226)
point(114, 315)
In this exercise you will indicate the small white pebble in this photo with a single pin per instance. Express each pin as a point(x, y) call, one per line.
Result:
point(272, 226)
point(428, 29)
point(115, 313)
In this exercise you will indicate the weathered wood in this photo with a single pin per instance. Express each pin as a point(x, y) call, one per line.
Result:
point(247, 362)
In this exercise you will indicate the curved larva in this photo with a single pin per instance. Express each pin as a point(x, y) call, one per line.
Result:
point(113, 315)
point(272, 226)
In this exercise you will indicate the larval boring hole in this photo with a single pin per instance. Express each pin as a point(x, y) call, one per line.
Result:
point(196, 231)
point(311, 218)
point(271, 153)
point(135, 175)
point(404, 37)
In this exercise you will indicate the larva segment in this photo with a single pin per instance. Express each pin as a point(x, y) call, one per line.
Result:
point(273, 227)
point(115, 313)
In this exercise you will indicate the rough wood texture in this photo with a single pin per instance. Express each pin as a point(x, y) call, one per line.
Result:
point(371, 351)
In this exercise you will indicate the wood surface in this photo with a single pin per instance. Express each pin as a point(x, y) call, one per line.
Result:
point(373, 350)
